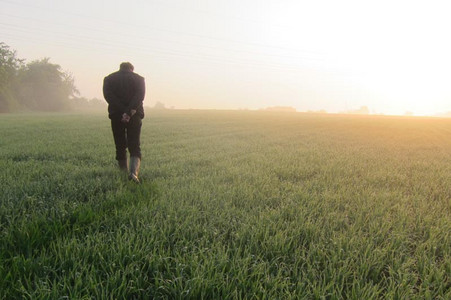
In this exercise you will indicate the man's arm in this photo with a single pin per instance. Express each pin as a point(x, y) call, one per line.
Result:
point(111, 98)
point(138, 98)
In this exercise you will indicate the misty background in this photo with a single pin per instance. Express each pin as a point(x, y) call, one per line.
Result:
point(388, 57)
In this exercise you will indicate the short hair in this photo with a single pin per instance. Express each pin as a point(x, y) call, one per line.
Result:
point(126, 66)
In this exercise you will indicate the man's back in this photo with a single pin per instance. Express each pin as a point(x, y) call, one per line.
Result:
point(124, 90)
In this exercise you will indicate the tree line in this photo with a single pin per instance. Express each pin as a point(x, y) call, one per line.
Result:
point(37, 86)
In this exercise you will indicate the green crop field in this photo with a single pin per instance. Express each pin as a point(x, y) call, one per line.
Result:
point(232, 205)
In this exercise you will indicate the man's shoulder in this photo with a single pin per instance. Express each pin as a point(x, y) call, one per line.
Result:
point(118, 75)
point(111, 76)
point(138, 76)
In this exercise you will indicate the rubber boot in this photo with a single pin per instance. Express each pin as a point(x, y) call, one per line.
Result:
point(135, 163)
point(123, 165)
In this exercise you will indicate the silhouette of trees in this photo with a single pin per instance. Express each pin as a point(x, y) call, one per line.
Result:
point(9, 66)
point(87, 105)
point(45, 87)
point(37, 86)
point(159, 105)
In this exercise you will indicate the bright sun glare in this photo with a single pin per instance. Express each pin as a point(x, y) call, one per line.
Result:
point(398, 51)
point(392, 56)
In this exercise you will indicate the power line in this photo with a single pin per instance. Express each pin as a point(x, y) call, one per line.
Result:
point(168, 30)
point(154, 53)
point(310, 58)
point(87, 40)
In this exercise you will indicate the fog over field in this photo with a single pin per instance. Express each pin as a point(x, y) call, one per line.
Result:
point(390, 56)
point(284, 149)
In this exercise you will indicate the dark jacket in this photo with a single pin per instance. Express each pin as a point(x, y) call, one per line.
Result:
point(124, 91)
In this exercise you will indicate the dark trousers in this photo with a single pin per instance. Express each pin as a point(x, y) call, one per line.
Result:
point(127, 135)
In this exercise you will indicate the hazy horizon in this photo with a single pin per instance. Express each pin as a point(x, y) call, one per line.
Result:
point(391, 56)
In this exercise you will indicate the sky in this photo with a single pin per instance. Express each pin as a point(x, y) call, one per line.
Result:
point(391, 56)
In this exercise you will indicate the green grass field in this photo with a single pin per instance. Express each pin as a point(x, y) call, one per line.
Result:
point(233, 205)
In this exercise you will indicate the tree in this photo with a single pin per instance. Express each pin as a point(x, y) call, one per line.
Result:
point(84, 104)
point(9, 66)
point(39, 85)
point(159, 105)
point(45, 87)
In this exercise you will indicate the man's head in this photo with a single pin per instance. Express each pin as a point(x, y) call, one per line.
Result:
point(126, 66)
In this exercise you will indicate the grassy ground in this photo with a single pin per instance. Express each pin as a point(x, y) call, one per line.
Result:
point(242, 205)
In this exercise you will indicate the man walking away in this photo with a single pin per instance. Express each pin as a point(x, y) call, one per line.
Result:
point(124, 91)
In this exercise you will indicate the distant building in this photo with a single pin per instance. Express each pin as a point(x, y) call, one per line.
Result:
point(321, 111)
point(363, 110)
point(280, 108)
